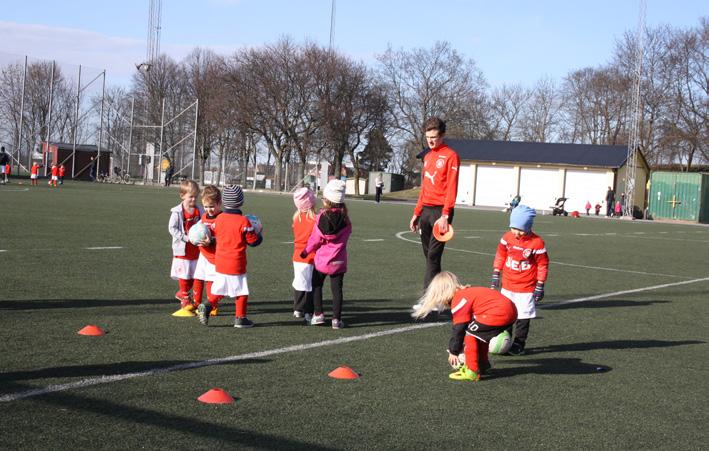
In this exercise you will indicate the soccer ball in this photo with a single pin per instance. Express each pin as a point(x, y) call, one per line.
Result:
point(198, 232)
point(500, 344)
point(255, 223)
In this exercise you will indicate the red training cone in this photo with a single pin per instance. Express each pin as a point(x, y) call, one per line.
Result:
point(216, 396)
point(91, 330)
point(343, 372)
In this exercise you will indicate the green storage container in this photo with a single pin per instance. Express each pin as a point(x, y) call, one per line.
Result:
point(679, 195)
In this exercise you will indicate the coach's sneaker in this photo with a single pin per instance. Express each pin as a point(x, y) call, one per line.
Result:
point(243, 323)
point(317, 320)
point(297, 314)
point(203, 312)
point(465, 374)
point(516, 349)
point(338, 324)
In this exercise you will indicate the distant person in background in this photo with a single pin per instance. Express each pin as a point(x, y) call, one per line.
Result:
point(92, 170)
point(7, 172)
point(439, 188)
point(588, 208)
point(55, 175)
point(168, 175)
point(4, 159)
point(34, 173)
point(598, 208)
point(62, 171)
point(618, 209)
point(610, 202)
point(379, 186)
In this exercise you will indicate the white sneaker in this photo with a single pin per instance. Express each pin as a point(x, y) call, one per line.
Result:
point(338, 324)
point(317, 320)
point(297, 314)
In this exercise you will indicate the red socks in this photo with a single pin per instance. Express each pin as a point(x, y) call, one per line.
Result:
point(241, 302)
point(185, 285)
point(472, 352)
point(197, 289)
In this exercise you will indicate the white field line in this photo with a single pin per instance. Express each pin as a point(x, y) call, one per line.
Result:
point(553, 262)
point(664, 239)
point(374, 239)
point(296, 348)
point(620, 293)
point(191, 365)
point(101, 248)
point(22, 190)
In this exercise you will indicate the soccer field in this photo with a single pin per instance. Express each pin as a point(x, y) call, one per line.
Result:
point(617, 359)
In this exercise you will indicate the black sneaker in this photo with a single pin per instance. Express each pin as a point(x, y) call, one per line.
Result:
point(243, 323)
point(516, 349)
point(203, 312)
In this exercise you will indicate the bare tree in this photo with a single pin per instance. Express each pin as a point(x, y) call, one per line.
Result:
point(540, 115)
point(506, 105)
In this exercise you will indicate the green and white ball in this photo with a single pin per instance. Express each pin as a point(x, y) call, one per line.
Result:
point(198, 232)
point(501, 343)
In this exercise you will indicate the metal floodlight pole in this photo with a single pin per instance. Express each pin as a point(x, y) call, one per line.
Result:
point(130, 131)
point(76, 126)
point(194, 142)
point(100, 130)
point(22, 111)
point(162, 128)
point(49, 115)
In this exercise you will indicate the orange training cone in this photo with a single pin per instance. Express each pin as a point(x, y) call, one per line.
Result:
point(216, 396)
point(343, 372)
point(443, 237)
point(91, 330)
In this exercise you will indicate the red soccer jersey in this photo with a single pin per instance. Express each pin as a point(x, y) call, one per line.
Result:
point(522, 261)
point(190, 219)
point(35, 169)
point(7, 169)
point(233, 232)
point(440, 179)
point(486, 305)
point(55, 171)
point(209, 251)
point(62, 170)
point(302, 228)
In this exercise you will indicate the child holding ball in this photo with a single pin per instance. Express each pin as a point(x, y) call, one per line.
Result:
point(184, 254)
point(233, 232)
point(523, 262)
point(329, 242)
point(303, 223)
point(479, 315)
point(205, 271)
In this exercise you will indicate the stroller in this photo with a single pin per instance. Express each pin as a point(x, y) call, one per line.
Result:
point(558, 208)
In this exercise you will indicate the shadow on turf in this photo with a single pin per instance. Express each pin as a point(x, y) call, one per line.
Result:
point(206, 431)
point(614, 344)
point(108, 369)
point(547, 366)
point(600, 304)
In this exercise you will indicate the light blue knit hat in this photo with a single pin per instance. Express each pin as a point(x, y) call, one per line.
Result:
point(522, 218)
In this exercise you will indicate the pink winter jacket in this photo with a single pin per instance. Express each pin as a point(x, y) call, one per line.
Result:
point(329, 241)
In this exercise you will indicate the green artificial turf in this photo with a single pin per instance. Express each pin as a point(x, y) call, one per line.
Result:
point(625, 371)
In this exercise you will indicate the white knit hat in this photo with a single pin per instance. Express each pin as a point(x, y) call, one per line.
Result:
point(335, 191)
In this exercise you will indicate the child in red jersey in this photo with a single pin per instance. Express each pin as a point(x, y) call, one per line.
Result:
point(479, 315)
point(303, 223)
point(55, 175)
point(34, 173)
point(7, 173)
point(62, 171)
point(205, 271)
point(523, 261)
point(184, 254)
point(233, 232)
point(329, 242)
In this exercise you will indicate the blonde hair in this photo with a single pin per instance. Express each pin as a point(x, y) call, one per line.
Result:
point(310, 213)
point(212, 193)
point(438, 295)
point(189, 186)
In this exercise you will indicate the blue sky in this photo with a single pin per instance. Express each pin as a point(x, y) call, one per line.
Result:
point(511, 41)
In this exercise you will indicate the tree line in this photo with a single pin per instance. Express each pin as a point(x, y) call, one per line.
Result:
point(304, 102)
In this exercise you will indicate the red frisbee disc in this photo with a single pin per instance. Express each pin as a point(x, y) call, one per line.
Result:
point(443, 237)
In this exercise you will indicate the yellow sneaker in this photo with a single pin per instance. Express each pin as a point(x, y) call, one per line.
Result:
point(465, 374)
point(214, 312)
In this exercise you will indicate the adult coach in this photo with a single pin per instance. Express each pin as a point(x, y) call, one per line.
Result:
point(439, 188)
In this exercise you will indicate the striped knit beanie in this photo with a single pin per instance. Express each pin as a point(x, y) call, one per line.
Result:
point(232, 197)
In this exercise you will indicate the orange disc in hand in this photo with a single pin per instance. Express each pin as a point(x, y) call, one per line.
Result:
point(443, 237)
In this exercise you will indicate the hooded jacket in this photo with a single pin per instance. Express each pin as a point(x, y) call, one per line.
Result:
point(329, 241)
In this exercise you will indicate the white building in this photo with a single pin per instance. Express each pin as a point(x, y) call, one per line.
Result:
point(492, 172)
